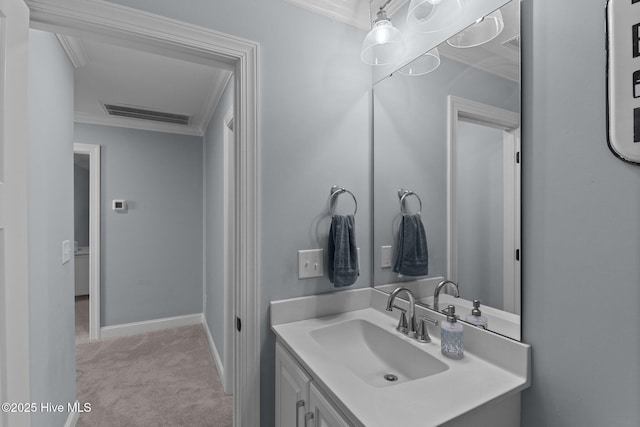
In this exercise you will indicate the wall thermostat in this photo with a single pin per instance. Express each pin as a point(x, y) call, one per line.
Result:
point(120, 205)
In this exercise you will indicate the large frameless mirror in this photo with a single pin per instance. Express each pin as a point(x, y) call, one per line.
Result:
point(447, 156)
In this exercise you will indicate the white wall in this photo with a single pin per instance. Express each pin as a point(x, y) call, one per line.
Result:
point(51, 284)
point(151, 264)
point(581, 228)
point(214, 219)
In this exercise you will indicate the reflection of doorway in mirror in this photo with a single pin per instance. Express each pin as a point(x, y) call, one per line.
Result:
point(480, 202)
point(484, 203)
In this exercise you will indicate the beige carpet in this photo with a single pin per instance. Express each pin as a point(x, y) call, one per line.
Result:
point(164, 378)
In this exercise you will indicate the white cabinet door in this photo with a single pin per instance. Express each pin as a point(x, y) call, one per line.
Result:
point(292, 390)
point(324, 413)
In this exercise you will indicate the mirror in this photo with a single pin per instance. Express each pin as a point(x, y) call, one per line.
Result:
point(452, 137)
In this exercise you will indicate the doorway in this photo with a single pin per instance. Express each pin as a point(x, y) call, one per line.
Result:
point(119, 25)
point(230, 181)
point(483, 182)
point(88, 156)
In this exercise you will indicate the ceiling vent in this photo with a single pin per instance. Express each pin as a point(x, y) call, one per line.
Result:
point(513, 43)
point(142, 114)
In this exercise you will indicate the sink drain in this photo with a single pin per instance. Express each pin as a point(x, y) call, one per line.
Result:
point(390, 377)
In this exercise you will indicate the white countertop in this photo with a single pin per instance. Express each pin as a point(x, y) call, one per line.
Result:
point(430, 401)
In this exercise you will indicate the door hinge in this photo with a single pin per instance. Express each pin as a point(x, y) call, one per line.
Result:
point(238, 324)
point(518, 157)
point(517, 254)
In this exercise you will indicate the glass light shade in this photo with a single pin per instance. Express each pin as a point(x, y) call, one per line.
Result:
point(428, 16)
point(422, 65)
point(483, 31)
point(383, 45)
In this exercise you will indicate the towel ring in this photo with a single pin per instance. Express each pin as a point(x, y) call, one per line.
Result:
point(402, 194)
point(335, 192)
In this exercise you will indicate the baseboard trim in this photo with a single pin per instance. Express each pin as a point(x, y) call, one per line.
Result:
point(150, 325)
point(72, 419)
point(214, 351)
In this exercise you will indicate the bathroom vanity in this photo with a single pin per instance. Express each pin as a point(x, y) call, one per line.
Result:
point(447, 135)
point(341, 362)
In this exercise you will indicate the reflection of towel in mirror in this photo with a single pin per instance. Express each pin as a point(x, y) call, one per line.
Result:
point(411, 254)
point(343, 252)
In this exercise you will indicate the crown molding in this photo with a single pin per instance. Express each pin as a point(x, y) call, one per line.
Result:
point(75, 50)
point(218, 85)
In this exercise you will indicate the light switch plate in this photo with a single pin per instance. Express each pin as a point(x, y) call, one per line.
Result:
point(385, 256)
point(66, 251)
point(310, 263)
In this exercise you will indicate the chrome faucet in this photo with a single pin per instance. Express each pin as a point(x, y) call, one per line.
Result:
point(436, 292)
point(410, 329)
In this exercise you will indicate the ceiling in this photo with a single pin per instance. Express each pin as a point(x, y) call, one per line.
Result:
point(108, 74)
point(500, 56)
point(353, 12)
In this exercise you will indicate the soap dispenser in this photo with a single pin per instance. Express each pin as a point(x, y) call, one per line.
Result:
point(476, 317)
point(451, 335)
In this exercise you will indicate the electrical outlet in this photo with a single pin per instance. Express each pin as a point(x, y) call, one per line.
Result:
point(385, 256)
point(310, 263)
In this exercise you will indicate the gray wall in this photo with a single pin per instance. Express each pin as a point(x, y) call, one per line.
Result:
point(314, 132)
point(410, 150)
point(51, 285)
point(81, 205)
point(213, 200)
point(151, 255)
point(581, 245)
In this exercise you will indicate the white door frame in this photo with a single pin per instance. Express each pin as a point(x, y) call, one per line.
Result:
point(134, 28)
point(14, 191)
point(229, 177)
point(93, 151)
point(509, 122)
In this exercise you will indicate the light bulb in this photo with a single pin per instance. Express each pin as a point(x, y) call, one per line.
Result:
point(382, 32)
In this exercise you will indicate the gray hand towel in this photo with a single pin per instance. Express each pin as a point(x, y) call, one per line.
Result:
point(343, 252)
point(411, 255)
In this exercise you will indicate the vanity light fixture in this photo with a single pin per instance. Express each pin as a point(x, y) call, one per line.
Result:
point(384, 43)
point(422, 65)
point(482, 31)
point(428, 16)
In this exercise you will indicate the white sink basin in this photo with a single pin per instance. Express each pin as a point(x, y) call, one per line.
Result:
point(379, 357)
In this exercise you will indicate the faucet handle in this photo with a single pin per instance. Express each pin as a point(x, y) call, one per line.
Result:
point(403, 325)
point(423, 333)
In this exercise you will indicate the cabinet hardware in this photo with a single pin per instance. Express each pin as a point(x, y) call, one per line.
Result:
point(308, 416)
point(299, 404)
